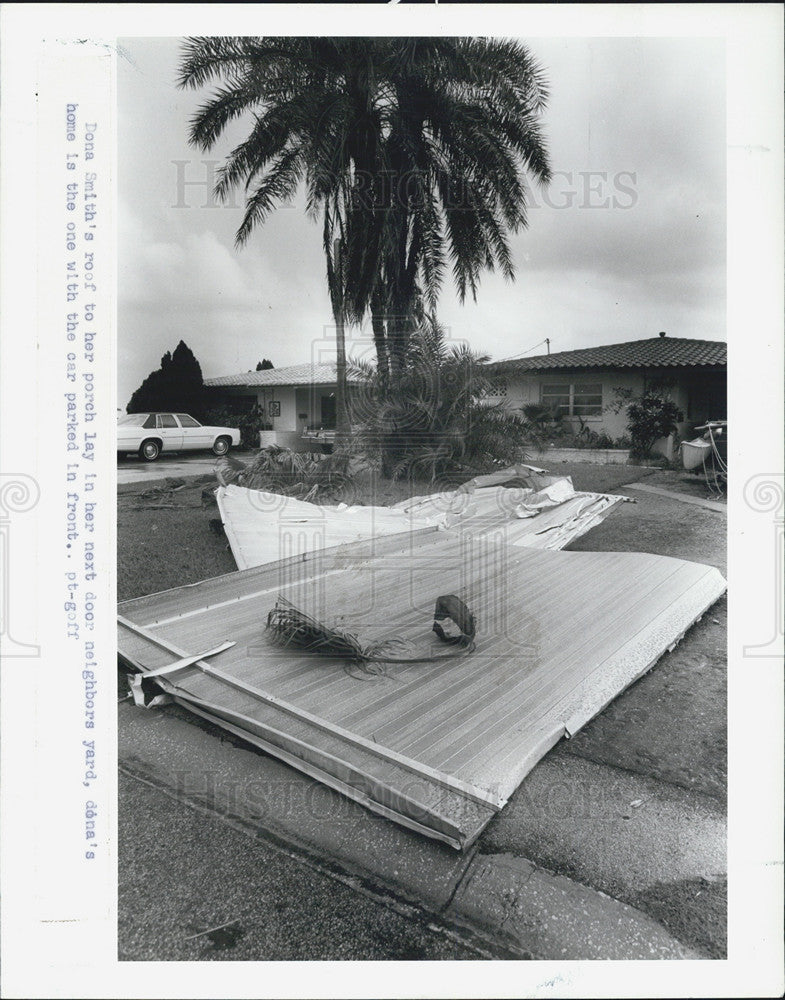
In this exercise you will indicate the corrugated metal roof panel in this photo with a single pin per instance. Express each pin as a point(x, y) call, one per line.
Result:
point(559, 635)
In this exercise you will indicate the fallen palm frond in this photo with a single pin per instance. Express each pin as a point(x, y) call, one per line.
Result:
point(169, 486)
point(229, 469)
point(308, 476)
point(289, 627)
point(173, 493)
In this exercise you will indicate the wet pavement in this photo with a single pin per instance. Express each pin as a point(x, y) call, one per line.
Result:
point(192, 888)
point(136, 470)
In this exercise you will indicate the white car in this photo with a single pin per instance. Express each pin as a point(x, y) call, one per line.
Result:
point(149, 434)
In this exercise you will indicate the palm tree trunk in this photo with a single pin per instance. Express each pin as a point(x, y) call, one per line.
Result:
point(380, 341)
point(341, 413)
point(337, 296)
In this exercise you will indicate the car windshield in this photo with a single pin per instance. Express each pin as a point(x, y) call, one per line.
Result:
point(132, 419)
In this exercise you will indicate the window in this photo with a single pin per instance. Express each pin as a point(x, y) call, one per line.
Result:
point(137, 420)
point(187, 421)
point(557, 395)
point(574, 399)
point(165, 420)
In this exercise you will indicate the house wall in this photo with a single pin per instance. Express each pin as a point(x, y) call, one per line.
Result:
point(301, 407)
point(527, 388)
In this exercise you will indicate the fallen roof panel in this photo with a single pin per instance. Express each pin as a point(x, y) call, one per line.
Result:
point(262, 527)
point(438, 744)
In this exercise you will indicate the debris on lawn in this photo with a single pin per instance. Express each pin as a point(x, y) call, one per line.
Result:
point(525, 644)
point(172, 494)
point(541, 511)
point(309, 476)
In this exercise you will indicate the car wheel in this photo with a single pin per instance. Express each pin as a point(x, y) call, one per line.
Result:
point(150, 450)
point(221, 446)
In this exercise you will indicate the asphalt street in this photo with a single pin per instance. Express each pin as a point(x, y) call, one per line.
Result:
point(193, 888)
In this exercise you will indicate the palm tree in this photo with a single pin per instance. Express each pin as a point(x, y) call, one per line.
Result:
point(336, 283)
point(460, 127)
point(311, 124)
point(414, 150)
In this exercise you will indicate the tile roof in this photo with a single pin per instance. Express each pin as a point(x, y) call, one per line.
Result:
point(306, 374)
point(655, 352)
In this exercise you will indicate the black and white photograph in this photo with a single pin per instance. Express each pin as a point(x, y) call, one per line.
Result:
point(417, 429)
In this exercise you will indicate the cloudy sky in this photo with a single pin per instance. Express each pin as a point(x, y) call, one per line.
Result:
point(628, 240)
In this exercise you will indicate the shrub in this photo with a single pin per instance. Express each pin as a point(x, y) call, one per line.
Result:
point(543, 423)
point(548, 427)
point(249, 424)
point(650, 416)
point(435, 420)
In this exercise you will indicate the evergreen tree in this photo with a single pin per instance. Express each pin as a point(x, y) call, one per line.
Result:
point(264, 365)
point(176, 386)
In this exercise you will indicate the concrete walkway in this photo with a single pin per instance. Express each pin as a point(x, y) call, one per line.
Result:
point(720, 508)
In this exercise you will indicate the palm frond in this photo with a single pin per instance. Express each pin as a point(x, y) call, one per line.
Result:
point(289, 627)
point(279, 184)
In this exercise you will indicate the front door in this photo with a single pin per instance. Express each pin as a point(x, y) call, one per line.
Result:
point(328, 412)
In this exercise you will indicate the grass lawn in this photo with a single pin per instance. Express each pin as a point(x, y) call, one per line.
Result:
point(158, 549)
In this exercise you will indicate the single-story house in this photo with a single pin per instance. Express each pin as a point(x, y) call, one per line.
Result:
point(298, 401)
point(583, 383)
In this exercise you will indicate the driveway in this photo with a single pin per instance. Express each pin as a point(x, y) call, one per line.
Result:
point(136, 470)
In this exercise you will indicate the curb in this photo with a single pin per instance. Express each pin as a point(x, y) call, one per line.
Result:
point(505, 900)
point(547, 916)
